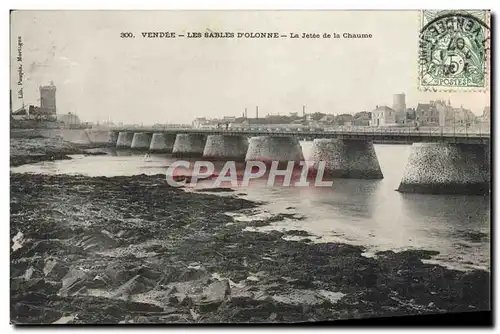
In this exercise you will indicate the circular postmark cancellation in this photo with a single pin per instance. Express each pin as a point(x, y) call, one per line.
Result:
point(453, 50)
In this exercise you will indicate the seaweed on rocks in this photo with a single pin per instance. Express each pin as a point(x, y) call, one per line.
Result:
point(135, 250)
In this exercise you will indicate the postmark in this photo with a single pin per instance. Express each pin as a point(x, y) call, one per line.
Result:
point(454, 49)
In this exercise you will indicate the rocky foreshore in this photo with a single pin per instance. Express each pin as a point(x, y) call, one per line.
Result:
point(26, 150)
point(134, 250)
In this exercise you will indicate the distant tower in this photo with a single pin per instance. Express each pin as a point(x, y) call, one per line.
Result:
point(399, 103)
point(48, 98)
point(399, 106)
point(246, 115)
point(257, 112)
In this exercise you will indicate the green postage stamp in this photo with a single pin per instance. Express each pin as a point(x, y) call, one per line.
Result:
point(454, 50)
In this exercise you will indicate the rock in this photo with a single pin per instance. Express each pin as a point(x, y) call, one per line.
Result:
point(474, 288)
point(32, 272)
point(240, 297)
point(18, 268)
point(171, 290)
point(298, 233)
point(41, 247)
point(191, 274)
point(180, 299)
point(53, 286)
point(146, 272)
point(36, 284)
point(262, 296)
point(25, 314)
point(16, 283)
point(82, 291)
point(35, 298)
point(112, 311)
point(175, 318)
point(117, 273)
point(121, 233)
point(64, 320)
point(136, 284)
point(97, 242)
point(214, 295)
point(54, 269)
point(99, 282)
point(17, 240)
point(195, 315)
point(73, 281)
point(142, 320)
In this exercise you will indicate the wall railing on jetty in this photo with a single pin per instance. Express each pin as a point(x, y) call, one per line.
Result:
point(449, 131)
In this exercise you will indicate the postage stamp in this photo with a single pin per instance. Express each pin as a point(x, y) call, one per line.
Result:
point(454, 49)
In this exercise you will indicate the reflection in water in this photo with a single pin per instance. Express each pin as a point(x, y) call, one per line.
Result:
point(365, 212)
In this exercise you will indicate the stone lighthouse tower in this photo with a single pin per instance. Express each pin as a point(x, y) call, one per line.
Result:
point(399, 106)
point(48, 98)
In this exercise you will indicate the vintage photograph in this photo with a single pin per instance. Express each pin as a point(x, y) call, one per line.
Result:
point(249, 167)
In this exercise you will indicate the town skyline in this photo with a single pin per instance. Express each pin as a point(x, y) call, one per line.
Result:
point(174, 81)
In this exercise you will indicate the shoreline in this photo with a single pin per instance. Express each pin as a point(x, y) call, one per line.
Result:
point(160, 254)
point(27, 150)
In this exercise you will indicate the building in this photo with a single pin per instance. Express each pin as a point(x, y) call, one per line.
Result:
point(200, 122)
point(441, 113)
point(19, 114)
point(362, 118)
point(410, 114)
point(69, 119)
point(327, 119)
point(343, 119)
point(40, 113)
point(383, 116)
point(428, 113)
point(45, 112)
point(48, 98)
point(399, 106)
point(228, 119)
point(486, 116)
point(463, 117)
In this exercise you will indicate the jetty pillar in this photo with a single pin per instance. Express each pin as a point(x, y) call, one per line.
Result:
point(268, 149)
point(112, 138)
point(141, 141)
point(442, 168)
point(189, 145)
point(162, 142)
point(350, 159)
point(225, 147)
point(124, 139)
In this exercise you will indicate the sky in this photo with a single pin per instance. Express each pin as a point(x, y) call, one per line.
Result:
point(101, 76)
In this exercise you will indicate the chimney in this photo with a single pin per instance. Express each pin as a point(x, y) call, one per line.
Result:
point(257, 112)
